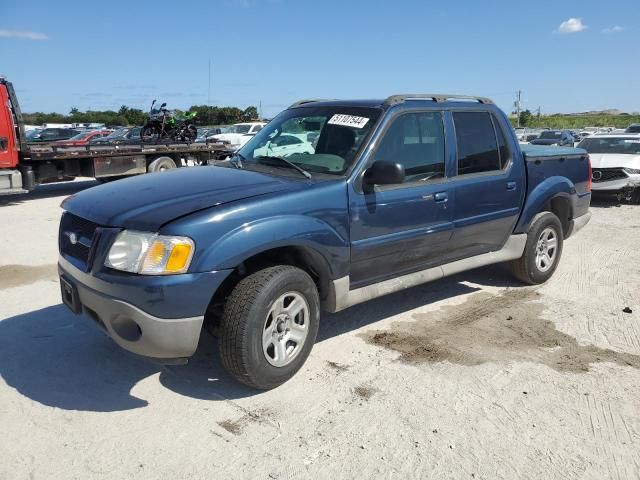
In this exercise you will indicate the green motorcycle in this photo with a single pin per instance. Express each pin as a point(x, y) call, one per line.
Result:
point(162, 123)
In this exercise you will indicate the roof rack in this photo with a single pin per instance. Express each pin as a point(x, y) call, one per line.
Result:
point(436, 97)
point(308, 100)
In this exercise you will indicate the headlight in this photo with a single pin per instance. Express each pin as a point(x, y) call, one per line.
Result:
point(150, 253)
point(632, 171)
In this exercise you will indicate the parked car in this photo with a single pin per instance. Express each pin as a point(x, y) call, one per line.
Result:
point(122, 135)
point(561, 138)
point(285, 145)
point(633, 128)
point(615, 159)
point(83, 138)
point(206, 134)
point(397, 192)
point(52, 135)
point(239, 134)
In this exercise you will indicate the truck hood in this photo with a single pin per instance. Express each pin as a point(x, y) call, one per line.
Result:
point(614, 160)
point(149, 201)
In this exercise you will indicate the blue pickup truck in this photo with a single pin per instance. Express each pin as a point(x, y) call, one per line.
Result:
point(331, 204)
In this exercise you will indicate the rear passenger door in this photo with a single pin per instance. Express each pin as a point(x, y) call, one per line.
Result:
point(402, 228)
point(489, 184)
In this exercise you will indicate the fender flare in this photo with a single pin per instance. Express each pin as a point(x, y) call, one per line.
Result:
point(251, 239)
point(549, 189)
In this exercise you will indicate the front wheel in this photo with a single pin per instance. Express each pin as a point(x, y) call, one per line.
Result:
point(542, 251)
point(269, 326)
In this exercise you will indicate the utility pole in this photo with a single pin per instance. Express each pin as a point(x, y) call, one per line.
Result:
point(519, 95)
point(209, 86)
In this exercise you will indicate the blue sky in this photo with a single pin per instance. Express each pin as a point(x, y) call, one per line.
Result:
point(104, 54)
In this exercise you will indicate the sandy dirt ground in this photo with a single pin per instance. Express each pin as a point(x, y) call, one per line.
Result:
point(475, 376)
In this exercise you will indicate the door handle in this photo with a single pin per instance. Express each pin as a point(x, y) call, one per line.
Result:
point(441, 197)
point(511, 186)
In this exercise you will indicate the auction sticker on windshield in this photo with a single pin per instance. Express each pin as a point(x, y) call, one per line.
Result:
point(348, 120)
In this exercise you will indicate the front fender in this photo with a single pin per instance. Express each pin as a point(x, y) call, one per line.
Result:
point(252, 238)
point(543, 193)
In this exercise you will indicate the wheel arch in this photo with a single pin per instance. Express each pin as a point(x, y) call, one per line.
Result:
point(555, 195)
point(304, 257)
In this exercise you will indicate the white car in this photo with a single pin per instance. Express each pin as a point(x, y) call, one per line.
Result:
point(283, 146)
point(615, 164)
point(240, 133)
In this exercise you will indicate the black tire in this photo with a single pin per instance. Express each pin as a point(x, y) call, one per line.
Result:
point(526, 268)
point(635, 196)
point(161, 164)
point(244, 320)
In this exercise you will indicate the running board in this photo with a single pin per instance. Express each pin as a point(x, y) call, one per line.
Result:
point(341, 297)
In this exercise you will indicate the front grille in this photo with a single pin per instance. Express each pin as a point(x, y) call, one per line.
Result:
point(76, 237)
point(607, 174)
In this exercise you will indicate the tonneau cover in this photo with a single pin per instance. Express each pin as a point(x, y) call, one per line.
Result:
point(538, 151)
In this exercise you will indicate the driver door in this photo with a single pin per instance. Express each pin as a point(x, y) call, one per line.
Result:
point(399, 229)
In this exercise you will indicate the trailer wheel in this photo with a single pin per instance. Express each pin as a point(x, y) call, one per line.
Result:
point(161, 164)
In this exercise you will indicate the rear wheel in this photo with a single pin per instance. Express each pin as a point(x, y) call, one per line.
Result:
point(269, 326)
point(542, 251)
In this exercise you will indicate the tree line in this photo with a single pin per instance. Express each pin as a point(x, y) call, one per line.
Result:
point(560, 121)
point(207, 115)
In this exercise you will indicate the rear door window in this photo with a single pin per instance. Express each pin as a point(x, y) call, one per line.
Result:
point(476, 141)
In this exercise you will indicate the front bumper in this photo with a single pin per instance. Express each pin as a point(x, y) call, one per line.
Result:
point(137, 330)
point(621, 184)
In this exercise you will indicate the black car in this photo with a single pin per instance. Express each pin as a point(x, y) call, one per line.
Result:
point(52, 135)
point(561, 138)
point(633, 128)
point(122, 135)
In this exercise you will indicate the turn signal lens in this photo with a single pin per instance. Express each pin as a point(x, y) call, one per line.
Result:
point(179, 258)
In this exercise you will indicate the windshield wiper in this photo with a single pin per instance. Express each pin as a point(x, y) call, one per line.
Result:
point(287, 162)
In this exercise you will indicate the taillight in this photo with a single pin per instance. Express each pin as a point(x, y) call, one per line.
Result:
point(589, 174)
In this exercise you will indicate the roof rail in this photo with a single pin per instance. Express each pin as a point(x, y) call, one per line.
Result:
point(436, 97)
point(308, 100)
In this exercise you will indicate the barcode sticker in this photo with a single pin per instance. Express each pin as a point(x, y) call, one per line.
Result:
point(348, 120)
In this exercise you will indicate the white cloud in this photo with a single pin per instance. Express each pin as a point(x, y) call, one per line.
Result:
point(23, 35)
point(614, 29)
point(573, 25)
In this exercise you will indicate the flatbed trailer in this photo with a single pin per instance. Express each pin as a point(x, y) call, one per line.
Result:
point(23, 166)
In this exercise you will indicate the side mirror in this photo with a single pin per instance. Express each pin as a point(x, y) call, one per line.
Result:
point(163, 105)
point(383, 173)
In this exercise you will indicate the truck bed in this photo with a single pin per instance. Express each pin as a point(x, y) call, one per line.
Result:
point(557, 169)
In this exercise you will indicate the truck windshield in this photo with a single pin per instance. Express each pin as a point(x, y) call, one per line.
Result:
point(317, 139)
point(628, 145)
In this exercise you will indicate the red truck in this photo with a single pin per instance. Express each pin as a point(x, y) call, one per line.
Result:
point(24, 166)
